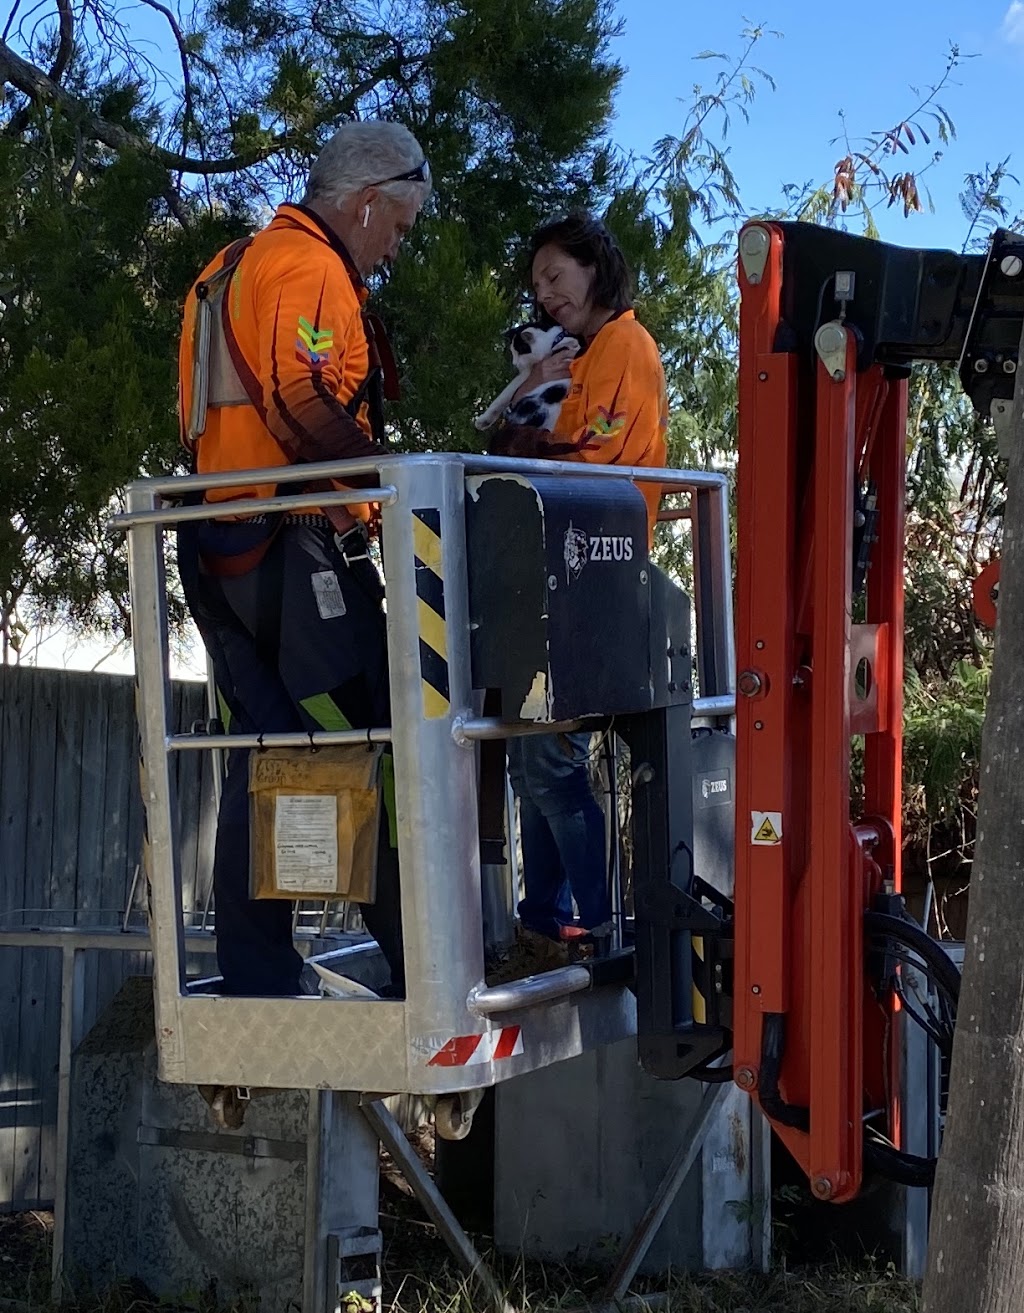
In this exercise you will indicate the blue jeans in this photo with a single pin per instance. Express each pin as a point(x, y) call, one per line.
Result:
point(562, 832)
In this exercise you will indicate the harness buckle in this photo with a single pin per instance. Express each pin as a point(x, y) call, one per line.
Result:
point(353, 545)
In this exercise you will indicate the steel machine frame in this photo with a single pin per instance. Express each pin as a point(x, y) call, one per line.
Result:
point(829, 326)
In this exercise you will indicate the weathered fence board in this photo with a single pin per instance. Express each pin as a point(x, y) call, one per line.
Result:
point(70, 841)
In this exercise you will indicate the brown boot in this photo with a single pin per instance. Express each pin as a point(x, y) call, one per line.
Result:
point(531, 954)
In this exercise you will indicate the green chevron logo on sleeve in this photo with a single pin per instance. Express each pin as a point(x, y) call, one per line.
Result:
point(317, 340)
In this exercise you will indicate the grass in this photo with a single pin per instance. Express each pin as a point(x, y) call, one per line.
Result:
point(421, 1278)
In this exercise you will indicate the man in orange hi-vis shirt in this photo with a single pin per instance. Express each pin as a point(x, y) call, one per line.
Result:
point(616, 413)
point(280, 365)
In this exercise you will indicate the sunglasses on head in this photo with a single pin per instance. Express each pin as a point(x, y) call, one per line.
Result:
point(421, 173)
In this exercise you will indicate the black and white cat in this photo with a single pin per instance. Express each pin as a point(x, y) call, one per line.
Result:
point(539, 408)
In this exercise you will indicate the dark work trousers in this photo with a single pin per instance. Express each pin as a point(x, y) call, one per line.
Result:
point(291, 650)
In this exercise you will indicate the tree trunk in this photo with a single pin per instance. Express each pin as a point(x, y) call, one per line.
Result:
point(976, 1249)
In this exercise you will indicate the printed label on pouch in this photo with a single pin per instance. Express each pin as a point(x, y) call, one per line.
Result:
point(305, 841)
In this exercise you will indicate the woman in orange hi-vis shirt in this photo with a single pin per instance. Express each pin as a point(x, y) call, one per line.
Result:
point(616, 413)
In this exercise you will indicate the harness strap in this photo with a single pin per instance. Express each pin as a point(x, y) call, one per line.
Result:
point(192, 429)
point(342, 520)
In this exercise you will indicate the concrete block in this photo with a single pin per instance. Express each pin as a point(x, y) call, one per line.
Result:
point(581, 1147)
point(157, 1192)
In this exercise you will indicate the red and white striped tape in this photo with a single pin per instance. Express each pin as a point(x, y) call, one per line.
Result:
point(468, 1050)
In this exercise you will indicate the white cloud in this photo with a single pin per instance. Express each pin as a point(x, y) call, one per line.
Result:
point(1013, 23)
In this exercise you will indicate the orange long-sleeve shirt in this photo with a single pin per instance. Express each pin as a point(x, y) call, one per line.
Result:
point(295, 314)
point(616, 412)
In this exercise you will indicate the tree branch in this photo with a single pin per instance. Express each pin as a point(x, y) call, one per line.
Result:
point(66, 31)
point(187, 113)
point(65, 47)
point(175, 206)
point(42, 89)
point(76, 167)
point(35, 84)
point(10, 20)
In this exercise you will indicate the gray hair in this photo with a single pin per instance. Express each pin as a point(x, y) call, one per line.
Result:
point(361, 155)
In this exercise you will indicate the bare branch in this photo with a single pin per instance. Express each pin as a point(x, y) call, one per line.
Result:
point(175, 206)
point(76, 167)
point(35, 84)
point(65, 32)
point(30, 37)
point(188, 110)
point(10, 19)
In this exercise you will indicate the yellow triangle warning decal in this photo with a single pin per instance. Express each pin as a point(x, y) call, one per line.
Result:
point(766, 827)
point(766, 832)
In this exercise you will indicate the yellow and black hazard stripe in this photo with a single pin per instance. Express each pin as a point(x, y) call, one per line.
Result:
point(426, 543)
point(699, 1000)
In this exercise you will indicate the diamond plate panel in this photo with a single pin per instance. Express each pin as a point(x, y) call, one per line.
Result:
point(352, 1044)
point(291, 1043)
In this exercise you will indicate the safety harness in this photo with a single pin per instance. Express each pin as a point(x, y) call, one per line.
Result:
point(221, 376)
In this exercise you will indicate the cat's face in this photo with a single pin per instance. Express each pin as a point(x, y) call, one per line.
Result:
point(532, 343)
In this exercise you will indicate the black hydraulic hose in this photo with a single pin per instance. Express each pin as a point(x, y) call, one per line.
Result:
point(940, 966)
point(773, 1046)
point(880, 1156)
point(711, 1075)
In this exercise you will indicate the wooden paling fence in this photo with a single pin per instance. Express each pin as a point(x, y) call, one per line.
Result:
point(70, 846)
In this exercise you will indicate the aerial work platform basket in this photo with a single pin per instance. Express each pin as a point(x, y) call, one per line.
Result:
point(530, 578)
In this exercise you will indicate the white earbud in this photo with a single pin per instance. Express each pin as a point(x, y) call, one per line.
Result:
point(366, 217)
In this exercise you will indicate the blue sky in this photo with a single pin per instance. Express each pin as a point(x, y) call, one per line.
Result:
point(862, 59)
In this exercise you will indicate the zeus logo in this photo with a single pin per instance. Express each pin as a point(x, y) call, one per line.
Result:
point(611, 549)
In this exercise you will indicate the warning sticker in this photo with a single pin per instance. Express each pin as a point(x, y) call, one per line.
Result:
point(766, 827)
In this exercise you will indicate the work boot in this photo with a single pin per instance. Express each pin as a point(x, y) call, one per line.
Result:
point(531, 954)
point(583, 945)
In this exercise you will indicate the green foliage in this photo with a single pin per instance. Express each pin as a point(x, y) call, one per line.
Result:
point(984, 204)
point(511, 100)
point(875, 170)
point(86, 374)
point(98, 245)
point(449, 315)
point(955, 497)
point(942, 745)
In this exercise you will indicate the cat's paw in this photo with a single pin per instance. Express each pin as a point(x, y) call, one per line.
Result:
point(483, 422)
